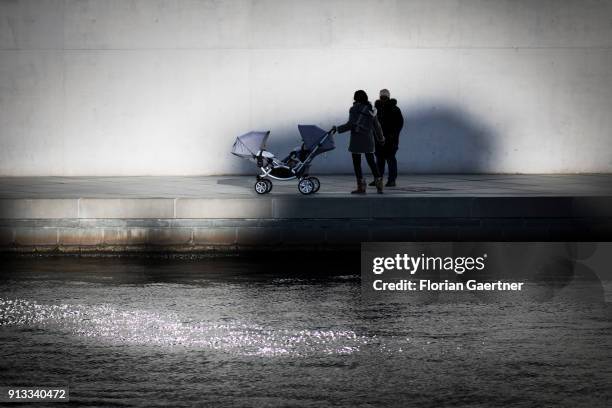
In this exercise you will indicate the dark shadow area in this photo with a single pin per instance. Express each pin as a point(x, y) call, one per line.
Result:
point(421, 189)
point(248, 184)
point(442, 139)
point(150, 269)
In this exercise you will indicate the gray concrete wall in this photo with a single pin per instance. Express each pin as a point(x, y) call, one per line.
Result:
point(159, 87)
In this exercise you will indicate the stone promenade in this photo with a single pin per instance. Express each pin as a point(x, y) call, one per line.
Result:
point(224, 214)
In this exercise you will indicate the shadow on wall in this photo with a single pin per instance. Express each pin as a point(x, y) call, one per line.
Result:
point(442, 139)
point(435, 139)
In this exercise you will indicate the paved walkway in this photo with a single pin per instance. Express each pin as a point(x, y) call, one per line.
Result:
point(76, 214)
point(455, 185)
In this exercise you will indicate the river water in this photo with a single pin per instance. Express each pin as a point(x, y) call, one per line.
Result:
point(235, 332)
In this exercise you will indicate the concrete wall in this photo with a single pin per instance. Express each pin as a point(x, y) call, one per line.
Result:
point(155, 87)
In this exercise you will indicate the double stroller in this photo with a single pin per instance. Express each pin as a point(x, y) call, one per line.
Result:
point(295, 166)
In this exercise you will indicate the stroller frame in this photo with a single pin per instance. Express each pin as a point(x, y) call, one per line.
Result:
point(293, 167)
point(306, 184)
point(265, 172)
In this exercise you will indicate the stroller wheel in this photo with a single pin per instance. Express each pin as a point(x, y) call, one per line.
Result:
point(306, 186)
point(316, 183)
point(269, 183)
point(261, 186)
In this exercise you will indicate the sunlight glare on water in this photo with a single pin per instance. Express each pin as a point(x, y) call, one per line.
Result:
point(136, 327)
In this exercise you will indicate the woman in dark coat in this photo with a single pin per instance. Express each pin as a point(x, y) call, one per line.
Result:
point(364, 128)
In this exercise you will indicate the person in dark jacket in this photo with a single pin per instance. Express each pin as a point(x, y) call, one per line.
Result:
point(391, 121)
point(364, 127)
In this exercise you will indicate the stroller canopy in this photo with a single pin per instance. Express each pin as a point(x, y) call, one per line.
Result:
point(312, 135)
point(250, 143)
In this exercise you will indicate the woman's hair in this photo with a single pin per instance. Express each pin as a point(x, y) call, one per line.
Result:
point(360, 96)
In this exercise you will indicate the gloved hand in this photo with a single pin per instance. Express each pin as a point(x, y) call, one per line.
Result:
point(334, 129)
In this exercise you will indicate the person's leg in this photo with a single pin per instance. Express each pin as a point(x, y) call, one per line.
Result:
point(392, 167)
point(357, 166)
point(377, 179)
point(361, 185)
point(372, 164)
point(380, 164)
point(380, 161)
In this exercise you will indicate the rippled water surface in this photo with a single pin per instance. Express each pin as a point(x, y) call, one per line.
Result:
point(231, 332)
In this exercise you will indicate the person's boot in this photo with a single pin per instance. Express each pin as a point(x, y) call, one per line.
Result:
point(390, 183)
point(379, 185)
point(361, 187)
